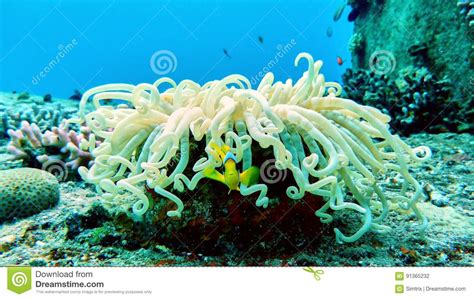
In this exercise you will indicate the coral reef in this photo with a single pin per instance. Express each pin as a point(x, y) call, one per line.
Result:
point(409, 99)
point(44, 118)
point(360, 7)
point(23, 96)
point(33, 110)
point(405, 31)
point(356, 43)
point(59, 148)
point(467, 11)
point(334, 148)
point(25, 192)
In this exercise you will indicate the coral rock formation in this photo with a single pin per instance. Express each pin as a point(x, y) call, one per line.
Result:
point(440, 41)
point(409, 99)
point(25, 192)
point(467, 10)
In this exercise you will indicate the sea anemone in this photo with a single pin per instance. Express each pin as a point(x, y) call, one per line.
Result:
point(333, 147)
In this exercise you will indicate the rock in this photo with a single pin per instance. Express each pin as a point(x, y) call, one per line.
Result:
point(25, 192)
point(76, 96)
point(39, 262)
point(47, 98)
point(426, 47)
point(23, 96)
point(94, 217)
point(443, 258)
point(6, 243)
point(438, 199)
point(408, 97)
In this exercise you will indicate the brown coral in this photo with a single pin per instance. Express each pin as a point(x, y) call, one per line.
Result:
point(25, 192)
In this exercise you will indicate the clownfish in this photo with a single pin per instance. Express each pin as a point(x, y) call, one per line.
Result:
point(231, 176)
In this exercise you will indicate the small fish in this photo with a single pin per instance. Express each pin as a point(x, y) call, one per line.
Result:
point(353, 15)
point(231, 176)
point(226, 53)
point(260, 39)
point(339, 11)
point(339, 60)
point(329, 31)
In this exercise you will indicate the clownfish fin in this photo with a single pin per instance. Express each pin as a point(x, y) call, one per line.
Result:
point(213, 174)
point(250, 176)
point(236, 189)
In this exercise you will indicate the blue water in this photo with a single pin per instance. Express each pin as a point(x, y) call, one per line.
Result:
point(58, 46)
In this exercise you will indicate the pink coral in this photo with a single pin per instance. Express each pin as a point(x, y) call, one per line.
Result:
point(63, 144)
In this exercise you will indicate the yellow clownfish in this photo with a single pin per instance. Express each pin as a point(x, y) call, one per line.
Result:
point(231, 176)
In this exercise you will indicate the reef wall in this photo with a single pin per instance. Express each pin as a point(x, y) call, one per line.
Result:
point(392, 36)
